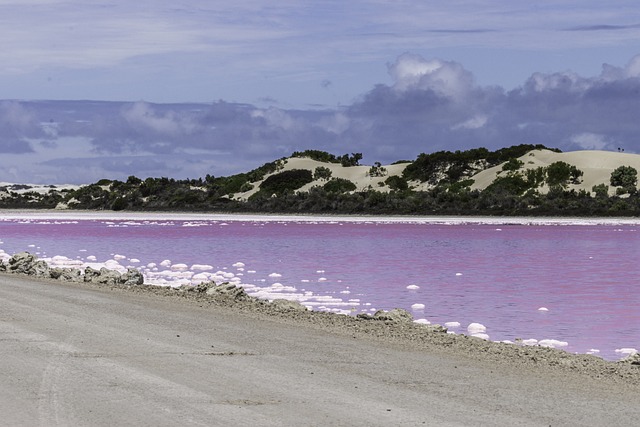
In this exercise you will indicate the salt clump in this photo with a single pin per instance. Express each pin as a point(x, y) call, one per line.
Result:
point(417, 307)
point(275, 275)
point(627, 351)
point(452, 324)
point(552, 343)
point(119, 257)
point(413, 287)
point(543, 309)
point(422, 321)
point(476, 328)
point(238, 264)
point(201, 267)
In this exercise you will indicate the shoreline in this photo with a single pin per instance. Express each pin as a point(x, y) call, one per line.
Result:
point(266, 217)
point(387, 329)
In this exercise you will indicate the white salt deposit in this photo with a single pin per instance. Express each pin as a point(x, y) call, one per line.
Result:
point(179, 267)
point(552, 343)
point(413, 287)
point(201, 267)
point(417, 306)
point(134, 261)
point(458, 274)
point(476, 328)
point(275, 275)
point(530, 341)
point(119, 257)
point(627, 351)
point(165, 263)
point(543, 309)
point(238, 264)
point(92, 258)
point(452, 324)
point(422, 321)
point(481, 336)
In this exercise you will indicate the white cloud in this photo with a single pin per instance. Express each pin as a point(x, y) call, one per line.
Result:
point(591, 141)
point(336, 123)
point(275, 117)
point(446, 78)
point(473, 123)
point(141, 114)
point(568, 81)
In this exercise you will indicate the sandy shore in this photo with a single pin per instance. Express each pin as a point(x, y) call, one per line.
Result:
point(71, 215)
point(78, 354)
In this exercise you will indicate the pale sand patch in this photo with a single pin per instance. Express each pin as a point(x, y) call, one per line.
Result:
point(359, 175)
point(596, 165)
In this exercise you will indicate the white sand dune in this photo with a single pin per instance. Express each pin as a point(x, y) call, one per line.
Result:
point(359, 175)
point(596, 165)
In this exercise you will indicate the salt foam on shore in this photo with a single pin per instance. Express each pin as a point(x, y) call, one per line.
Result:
point(168, 273)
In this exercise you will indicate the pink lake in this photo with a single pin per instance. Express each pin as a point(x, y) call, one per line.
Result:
point(586, 276)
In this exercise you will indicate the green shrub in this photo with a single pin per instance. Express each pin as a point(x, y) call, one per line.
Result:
point(560, 173)
point(286, 181)
point(322, 172)
point(119, 204)
point(339, 185)
point(247, 186)
point(317, 155)
point(377, 170)
point(601, 191)
point(512, 165)
point(397, 183)
point(625, 177)
point(512, 184)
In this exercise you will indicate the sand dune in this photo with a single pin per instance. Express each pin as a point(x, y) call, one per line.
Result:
point(596, 166)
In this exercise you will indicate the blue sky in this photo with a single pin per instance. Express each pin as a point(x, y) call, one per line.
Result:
point(218, 87)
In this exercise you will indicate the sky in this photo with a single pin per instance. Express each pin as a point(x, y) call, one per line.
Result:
point(109, 89)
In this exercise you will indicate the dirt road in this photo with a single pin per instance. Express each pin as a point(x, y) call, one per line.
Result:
point(74, 355)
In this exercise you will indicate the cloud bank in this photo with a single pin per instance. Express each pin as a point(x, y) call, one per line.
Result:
point(430, 104)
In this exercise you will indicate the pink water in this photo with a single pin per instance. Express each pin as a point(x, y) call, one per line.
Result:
point(587, 276)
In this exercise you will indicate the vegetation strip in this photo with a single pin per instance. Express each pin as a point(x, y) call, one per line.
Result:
point(440, 183)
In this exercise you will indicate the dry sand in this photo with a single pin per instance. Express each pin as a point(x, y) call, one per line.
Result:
point(77, 354)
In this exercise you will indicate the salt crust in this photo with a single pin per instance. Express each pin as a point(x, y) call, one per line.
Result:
point(51, 215)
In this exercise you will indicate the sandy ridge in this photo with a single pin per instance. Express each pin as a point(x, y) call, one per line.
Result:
point(596, 165)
